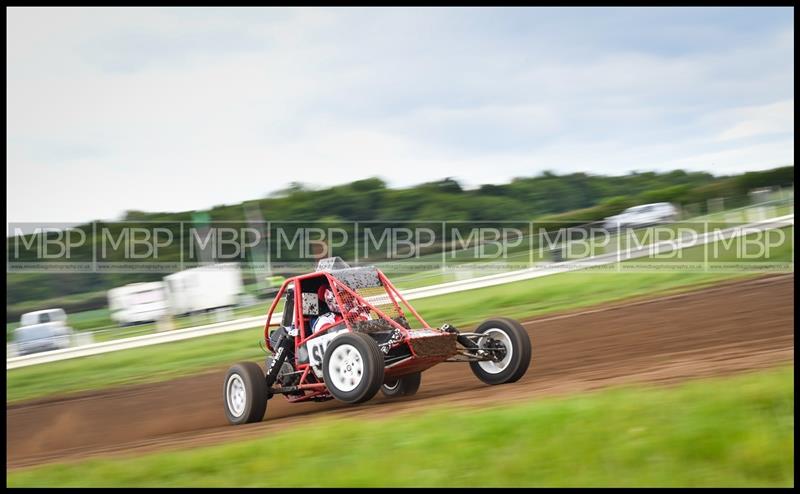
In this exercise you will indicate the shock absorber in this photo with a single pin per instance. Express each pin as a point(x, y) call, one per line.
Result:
point(282, 348)
point(465, 342)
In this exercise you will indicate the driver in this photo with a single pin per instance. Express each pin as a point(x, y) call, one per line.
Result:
point(334, 316)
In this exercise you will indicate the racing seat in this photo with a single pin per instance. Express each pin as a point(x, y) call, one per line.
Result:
point(311, 311)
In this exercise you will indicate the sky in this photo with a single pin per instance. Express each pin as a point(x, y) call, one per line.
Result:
point(176, 109)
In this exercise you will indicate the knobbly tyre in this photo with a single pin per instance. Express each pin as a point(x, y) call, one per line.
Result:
point(345, 334)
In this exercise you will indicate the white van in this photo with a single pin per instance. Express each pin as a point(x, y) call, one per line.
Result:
point(137, 303)
point(41, 331)
point(643, 215)
point(204, 288)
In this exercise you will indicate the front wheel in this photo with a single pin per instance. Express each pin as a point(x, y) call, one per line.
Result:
point(353, 368)
point(402, 386)
point(245, 393)
point(511, 347)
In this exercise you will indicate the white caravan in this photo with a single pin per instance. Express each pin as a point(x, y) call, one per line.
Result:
point(137, 303)
point(204, 288)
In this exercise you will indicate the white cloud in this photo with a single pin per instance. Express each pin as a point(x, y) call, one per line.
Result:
point(175, 109)
point(775, 118)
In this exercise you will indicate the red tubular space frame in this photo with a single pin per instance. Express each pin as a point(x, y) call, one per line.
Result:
point(316, 389)
point(393, 293)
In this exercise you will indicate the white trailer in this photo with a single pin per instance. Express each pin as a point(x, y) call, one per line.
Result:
point(137, 302)
point(204, 288)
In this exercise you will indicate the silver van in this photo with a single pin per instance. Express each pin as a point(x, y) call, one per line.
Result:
point(41, 331)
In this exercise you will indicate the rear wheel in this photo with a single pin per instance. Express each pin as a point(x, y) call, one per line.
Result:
point(245, 393)
point(511, 347)
point(402, 386)
point(353, 368)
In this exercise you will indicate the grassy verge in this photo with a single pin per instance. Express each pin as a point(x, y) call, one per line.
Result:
point(114, 332)
point(139, 365)
point(99, 323)
point(722, 432)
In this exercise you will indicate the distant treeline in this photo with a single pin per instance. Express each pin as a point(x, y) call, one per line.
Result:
point(522, 199)
point(548, 196)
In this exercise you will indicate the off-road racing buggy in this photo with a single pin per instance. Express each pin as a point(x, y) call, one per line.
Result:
point(369, 345)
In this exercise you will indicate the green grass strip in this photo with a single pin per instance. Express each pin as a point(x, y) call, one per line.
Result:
point(734, 431)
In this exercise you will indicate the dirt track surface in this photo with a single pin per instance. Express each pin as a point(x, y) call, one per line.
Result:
point(720, 330)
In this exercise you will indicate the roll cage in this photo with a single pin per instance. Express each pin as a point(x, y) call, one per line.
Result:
point(368, 302)
point(382, 302)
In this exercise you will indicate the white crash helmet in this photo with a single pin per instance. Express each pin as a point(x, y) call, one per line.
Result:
point(330, 300)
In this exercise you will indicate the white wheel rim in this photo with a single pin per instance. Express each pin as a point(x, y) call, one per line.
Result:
point(493, 367)
point(393, 386)
point(345, 368)
point(236, 394)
